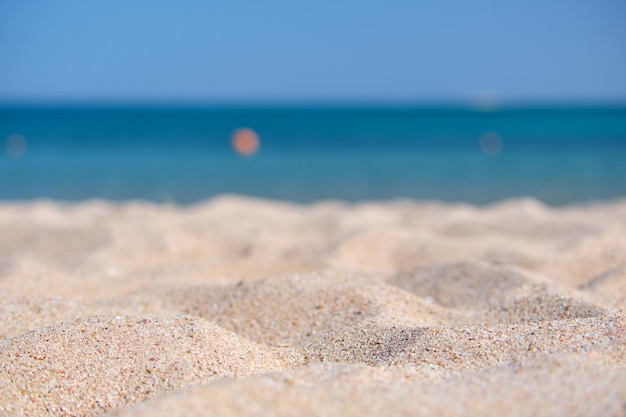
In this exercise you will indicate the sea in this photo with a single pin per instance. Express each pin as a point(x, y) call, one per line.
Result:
point(184, 154)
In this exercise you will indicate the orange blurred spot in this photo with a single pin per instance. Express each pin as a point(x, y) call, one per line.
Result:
point(245, 141)
point(15, 146)
point(490, 143)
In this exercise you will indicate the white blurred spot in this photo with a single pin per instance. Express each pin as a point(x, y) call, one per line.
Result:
point(490, 143)
point(485, 100)
point(15, 146)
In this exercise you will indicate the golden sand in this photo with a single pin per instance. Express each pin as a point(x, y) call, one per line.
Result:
point(241, 306)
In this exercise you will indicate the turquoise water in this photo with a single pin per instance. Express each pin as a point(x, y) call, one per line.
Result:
point(183, 154)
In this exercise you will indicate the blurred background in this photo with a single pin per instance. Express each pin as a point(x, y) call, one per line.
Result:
point(356, 100)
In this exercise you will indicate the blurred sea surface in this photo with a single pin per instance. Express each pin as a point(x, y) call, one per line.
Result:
point(182, 154)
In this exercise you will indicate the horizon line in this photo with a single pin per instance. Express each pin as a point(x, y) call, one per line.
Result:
point(486, 102)
point(480, 105)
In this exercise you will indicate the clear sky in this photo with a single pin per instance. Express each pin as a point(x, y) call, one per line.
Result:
point(339, 50)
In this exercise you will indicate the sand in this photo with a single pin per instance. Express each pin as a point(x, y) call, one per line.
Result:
point(241, 306)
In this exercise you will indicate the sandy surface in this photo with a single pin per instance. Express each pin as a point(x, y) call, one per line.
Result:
point(248, 307)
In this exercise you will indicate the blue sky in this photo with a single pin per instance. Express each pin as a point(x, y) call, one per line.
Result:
point(341, 50)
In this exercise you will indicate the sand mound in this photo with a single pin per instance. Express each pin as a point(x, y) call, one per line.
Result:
point(313, 304)
point(463, 285)
point(541, 306)
point(465, 347)
point(548, 385)
point(609, 287)
point(19, 315)
point(494, 294)
point(98, 363)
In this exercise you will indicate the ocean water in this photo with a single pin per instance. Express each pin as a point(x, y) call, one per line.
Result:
point(179, 154)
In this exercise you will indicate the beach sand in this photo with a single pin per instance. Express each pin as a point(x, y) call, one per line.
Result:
point(246, 307)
